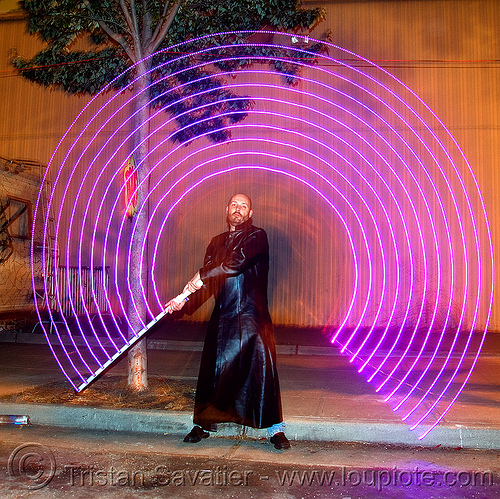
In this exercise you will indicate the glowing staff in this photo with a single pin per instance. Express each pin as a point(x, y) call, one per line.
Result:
point(133, 341)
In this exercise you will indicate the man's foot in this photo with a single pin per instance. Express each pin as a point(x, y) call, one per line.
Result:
point(195, 435)
point(280, 441)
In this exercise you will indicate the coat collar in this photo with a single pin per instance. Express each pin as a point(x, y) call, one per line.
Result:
point(244, 226)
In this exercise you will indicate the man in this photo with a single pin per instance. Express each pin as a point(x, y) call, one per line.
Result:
point(238, 381)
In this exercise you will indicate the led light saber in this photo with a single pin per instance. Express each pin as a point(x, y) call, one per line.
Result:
point(168, 310)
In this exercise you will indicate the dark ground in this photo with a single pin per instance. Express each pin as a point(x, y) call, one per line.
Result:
point(105, 464)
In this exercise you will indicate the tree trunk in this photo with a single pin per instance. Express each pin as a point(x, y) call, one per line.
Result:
point(137, 355)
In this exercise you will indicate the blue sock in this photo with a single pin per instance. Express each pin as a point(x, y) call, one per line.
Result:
point(276, 428)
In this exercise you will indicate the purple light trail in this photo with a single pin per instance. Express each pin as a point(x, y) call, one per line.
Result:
point(381, 161)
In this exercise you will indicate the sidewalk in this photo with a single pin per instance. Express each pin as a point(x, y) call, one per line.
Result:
point(324, 398)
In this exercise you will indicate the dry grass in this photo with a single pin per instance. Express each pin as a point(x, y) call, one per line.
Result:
point(112, 391)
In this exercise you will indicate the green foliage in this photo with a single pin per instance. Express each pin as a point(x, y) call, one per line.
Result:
point(73, 72)
point(117, 38)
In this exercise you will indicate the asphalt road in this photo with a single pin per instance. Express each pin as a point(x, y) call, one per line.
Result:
point(46, 462)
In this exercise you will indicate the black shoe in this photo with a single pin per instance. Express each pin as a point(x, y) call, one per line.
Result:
point(195, 435)
point(280, 441)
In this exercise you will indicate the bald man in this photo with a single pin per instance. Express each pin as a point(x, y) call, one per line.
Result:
point(238, 381)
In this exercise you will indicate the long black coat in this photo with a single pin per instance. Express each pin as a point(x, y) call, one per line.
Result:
point(238, 381)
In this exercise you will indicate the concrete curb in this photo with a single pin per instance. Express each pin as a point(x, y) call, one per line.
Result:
point(298, 428)
point(179, 345)
point(194, 346)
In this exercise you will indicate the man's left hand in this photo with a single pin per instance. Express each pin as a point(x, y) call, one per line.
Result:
point(174, 306)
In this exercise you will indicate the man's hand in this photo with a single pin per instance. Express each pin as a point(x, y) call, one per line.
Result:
point(174, 306)
point(194, 284)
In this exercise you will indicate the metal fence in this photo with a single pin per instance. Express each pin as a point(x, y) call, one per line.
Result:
point(81, 290)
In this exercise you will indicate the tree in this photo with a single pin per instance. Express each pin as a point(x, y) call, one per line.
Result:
point(124, 33)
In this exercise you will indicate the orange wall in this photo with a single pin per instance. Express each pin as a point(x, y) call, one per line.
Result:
point(443, 50)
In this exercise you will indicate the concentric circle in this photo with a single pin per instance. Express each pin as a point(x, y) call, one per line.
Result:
point(401, 198)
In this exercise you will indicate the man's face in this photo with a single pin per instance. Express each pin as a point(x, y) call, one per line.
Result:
point(238, 210)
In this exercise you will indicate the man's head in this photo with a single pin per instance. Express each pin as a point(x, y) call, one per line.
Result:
point(239, 210)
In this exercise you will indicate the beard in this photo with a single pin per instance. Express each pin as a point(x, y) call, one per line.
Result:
point(236, 219)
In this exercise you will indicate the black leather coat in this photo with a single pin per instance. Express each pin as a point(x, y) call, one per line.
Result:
point(238, 381)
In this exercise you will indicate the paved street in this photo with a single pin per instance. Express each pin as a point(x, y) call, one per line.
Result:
point(110, 464)
point(322, 397)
